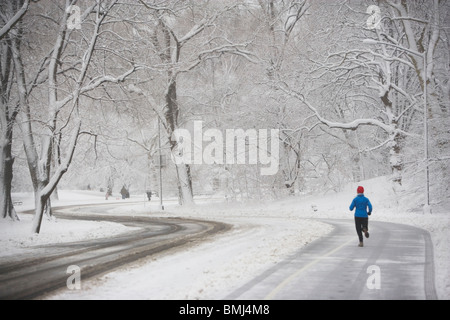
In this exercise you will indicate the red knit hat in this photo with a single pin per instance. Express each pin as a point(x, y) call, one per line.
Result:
point(360, 190)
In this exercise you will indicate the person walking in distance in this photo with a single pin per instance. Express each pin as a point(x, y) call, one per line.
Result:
point(362, 213)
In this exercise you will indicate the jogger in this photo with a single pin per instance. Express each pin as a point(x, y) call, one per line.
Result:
point(362, 213)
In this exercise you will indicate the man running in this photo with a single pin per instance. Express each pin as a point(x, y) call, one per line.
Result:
point(362, 213)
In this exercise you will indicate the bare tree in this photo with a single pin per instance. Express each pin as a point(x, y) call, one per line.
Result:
point(384, 74)
point(11, 12)
point(20, 9)
point(280, 19)
point(171, 36)
point(63, 100)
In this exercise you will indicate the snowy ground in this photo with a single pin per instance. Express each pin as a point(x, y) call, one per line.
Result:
point(263, 234)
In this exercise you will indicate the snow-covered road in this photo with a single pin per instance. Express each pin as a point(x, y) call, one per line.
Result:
point(209, 269)
point(396, 264)
point(45, 269)
point(264, 234)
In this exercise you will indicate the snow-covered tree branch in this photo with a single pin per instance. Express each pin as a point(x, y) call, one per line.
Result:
point(44, 181)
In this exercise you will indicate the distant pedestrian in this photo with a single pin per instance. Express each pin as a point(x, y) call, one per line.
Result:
point(362, 213)
point(125, 193)
point(149, 195)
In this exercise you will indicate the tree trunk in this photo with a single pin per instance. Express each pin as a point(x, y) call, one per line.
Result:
point(395, 152)
point(40, 207)
point(185, 192)
point(6, 176)
point(45, 187)
point(10, 39)
point(40, 173)
point(395, 159)
point(184, 184)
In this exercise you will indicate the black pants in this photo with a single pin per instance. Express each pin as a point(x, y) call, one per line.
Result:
point(360, 224)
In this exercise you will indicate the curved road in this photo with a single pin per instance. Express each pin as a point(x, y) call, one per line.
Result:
point(30, 276)
point(396, 262)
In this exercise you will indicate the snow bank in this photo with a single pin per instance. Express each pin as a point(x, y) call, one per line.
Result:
point(16, 237)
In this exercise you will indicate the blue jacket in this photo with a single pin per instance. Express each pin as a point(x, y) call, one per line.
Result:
point(361, 203)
